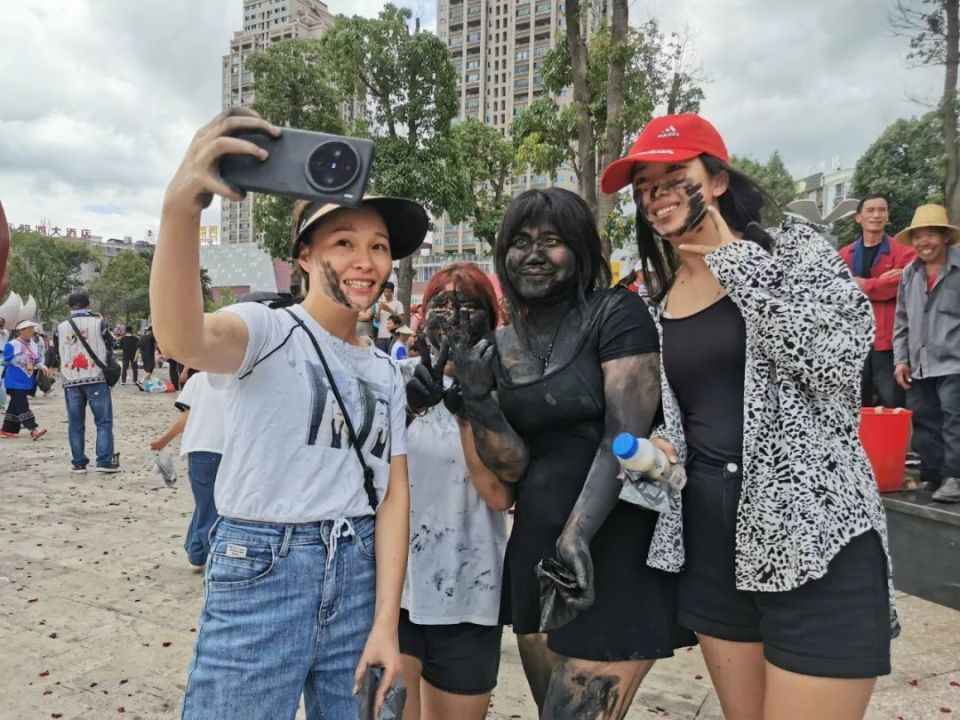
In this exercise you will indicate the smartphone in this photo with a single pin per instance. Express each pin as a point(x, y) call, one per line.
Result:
point(303, 164)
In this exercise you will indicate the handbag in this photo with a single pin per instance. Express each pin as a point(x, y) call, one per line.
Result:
point(111, 370)
point(367, 470)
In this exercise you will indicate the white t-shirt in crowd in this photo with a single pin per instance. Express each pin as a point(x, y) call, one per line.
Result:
point(208, 407)
point(457, 542)
point(287, 456)
point(396, 309)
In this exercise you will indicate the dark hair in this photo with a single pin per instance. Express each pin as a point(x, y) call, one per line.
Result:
point(389, 286)
point(128, 328)
point(740, 206)
point(396, 320)
point(871, 196)
point(574, 222)
point(78, 300)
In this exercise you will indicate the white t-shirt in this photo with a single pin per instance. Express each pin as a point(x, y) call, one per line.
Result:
point(396, 309)
point(457, 542)
point(286, 455)
point(208, 406)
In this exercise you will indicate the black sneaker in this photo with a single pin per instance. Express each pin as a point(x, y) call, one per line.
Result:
point(111, 468)
point(79, 469)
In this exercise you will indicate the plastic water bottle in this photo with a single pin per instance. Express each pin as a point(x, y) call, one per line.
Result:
point(639, 455)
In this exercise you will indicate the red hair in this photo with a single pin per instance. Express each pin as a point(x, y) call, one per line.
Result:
point(467, 278)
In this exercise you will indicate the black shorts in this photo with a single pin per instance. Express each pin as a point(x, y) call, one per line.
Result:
point(461, 659)
point(836, 626)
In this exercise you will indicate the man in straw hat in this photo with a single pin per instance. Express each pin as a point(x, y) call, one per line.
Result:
point(926, 347)
point(877, 262)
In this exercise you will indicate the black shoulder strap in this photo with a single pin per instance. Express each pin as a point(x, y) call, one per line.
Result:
point(367, 470)
point(83, 341)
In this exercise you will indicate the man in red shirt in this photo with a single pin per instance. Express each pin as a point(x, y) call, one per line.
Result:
point(877, 263)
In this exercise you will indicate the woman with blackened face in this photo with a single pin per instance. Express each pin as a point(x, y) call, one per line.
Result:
point(450, 625)
point(763, 338)
point(577, 366)
point(312, 488)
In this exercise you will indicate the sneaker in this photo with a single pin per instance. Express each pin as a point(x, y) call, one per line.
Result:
point(38, 433)
point(5, 434)
point(79, 469)
point(111, 468)
point(949, 491)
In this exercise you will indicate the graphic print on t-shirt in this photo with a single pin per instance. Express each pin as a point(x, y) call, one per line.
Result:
point(373, 404)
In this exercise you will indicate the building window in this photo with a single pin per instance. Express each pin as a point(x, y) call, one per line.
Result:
point(473, 64)
point(523, 11)
point(521, 55)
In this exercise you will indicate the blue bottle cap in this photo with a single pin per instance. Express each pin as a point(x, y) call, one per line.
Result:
point(625, 445)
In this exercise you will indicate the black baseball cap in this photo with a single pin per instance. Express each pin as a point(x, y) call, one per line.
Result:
point(407, 223)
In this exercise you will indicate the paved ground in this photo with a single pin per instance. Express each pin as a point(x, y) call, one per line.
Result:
point(98, 608)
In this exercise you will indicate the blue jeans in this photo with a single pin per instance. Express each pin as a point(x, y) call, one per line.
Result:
point(97, 395)
point(202, 467)
point(287, 612)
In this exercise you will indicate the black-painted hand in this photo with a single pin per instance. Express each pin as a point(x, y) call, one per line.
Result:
point(573, 553)
point(425, 388)
point(453, 398)
point(472, 363)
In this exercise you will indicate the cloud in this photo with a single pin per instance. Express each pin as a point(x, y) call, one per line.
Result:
point(102, 97)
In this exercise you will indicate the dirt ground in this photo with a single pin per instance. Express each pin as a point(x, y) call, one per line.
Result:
point(98, 607)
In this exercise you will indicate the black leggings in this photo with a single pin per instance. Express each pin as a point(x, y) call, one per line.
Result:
point(18, 412)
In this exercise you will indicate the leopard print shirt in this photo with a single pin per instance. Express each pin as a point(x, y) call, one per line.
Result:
point(808, 488)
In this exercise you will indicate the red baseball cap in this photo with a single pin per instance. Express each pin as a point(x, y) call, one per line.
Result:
point(669, 138)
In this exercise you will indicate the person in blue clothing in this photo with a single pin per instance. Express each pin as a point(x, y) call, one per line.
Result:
point(21, 360)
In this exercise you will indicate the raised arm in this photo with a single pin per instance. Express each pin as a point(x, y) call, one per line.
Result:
point(215, 343)
point(631, 387)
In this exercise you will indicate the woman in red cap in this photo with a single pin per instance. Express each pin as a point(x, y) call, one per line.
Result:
point(782, 536)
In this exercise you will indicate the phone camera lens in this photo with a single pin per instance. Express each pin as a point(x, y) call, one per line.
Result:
point(333, 166)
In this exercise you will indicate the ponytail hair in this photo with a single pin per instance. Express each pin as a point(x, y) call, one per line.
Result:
point(740, 207)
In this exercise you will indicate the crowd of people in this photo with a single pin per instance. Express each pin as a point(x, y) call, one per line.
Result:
point(353, 472)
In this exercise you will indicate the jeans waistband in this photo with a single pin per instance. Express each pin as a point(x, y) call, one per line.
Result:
point(295, 533)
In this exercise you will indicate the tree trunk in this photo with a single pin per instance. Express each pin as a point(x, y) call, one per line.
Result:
point(613, 145)
point(576, 39)
point(948, 109)
point(405, 285)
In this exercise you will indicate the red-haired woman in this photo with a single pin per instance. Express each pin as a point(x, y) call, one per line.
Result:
point(450, 625)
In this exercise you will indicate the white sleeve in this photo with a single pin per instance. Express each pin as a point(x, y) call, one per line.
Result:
point(398, 415)
point(188, 394)
point(263, 329)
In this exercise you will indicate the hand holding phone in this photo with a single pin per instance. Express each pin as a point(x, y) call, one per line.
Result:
point(302, 164)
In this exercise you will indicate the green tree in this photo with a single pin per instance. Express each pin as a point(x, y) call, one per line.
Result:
point(485, 159)
point(934, 30)
point(408, 81)
point(619, 77)
point(294, 88)
point(775, 179)
point(46, 268)
point(122, 290)
point(227, 297)
point(907, 164)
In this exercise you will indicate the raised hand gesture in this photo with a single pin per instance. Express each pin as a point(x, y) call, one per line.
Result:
point(425, 388)
point(472, 362)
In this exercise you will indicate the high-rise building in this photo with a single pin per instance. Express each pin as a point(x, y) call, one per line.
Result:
point(498, 48)
point(264, 23)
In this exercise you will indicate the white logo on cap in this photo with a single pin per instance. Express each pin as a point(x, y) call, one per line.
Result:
point(665, 151)
point(669, 131)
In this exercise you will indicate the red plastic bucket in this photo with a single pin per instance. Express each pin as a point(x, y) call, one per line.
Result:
point(885, 435)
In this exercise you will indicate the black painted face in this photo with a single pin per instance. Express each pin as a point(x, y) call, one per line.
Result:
point(540, 266)
point(443, 310)
point(673, 198)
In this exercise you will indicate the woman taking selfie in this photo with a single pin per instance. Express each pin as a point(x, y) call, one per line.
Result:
point(450, 622)
point(307, 562)
point(786, 577)
point(578, 366)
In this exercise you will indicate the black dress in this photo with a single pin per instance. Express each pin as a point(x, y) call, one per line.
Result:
point(561, 418)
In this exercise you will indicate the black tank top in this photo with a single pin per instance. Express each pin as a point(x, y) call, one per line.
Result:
point(704, 356)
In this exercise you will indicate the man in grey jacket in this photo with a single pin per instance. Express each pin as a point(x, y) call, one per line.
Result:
point(926, 348)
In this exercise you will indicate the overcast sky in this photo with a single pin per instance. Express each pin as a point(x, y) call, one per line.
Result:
point(101, 97)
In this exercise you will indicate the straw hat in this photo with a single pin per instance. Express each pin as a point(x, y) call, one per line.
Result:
point(929, 216)
point(24, 324)
point(404, 330)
